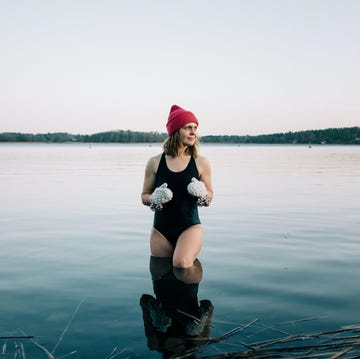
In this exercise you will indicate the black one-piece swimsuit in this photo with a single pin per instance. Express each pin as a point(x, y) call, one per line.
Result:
point(182, 211)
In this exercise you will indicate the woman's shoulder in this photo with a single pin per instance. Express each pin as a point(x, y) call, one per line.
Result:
point(202, 162)
point(201, 159)
point(154, 161)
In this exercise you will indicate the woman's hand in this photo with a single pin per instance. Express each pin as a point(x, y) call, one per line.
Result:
point(160, 196)
point(198, 189)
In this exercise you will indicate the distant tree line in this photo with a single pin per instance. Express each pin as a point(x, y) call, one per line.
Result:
point(105, 137)
point(346, 135)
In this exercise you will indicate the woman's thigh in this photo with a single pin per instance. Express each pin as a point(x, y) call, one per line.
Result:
point(188, 246)
point(159, 245)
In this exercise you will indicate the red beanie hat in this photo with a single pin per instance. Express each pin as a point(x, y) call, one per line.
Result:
point(179, 117)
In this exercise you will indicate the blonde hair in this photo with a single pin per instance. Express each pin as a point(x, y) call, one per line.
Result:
point(172, 144)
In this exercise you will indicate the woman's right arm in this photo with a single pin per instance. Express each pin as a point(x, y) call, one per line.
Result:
point(149, 181)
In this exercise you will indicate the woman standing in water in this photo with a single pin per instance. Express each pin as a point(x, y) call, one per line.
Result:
point(176, 182)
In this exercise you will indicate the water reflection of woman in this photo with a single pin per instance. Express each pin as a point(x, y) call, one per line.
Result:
point(175, 317)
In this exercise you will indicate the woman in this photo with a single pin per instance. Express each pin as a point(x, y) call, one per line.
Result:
point(177, 231)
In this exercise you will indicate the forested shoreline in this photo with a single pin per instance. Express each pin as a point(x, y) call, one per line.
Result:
point(346, 136)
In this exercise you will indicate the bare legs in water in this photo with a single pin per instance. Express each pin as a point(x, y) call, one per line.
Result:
point(187, 248)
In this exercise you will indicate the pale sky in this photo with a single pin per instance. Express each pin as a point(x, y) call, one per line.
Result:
point(242, 66)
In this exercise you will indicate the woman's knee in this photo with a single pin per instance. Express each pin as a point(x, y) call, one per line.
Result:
point(181, 260)
point(185, 258)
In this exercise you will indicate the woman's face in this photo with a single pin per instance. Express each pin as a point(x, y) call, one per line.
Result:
point(188, 134)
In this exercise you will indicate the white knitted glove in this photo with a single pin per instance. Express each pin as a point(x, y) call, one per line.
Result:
point(197, 189)
point(160, 196)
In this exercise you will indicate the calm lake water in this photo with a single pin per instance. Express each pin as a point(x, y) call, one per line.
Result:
point(281, 244)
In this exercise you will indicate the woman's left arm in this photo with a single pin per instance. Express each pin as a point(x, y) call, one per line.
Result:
point(205, 175)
